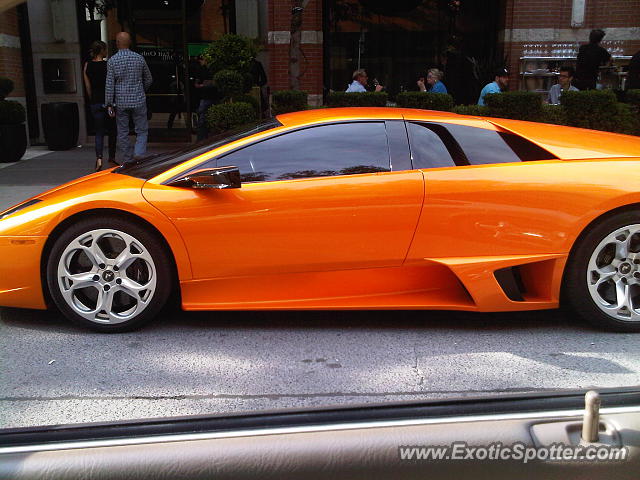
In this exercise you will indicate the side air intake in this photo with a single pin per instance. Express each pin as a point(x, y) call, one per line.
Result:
point(511, 283)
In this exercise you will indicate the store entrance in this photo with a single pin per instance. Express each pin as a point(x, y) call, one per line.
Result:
point(161, 30)
point(169, 109)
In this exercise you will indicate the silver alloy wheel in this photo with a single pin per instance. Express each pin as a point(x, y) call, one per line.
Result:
point(613, 274)
point(107, 276)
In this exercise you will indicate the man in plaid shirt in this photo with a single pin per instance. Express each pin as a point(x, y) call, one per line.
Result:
point(128, 77)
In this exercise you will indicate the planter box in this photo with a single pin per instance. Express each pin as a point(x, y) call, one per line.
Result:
point(13, 142)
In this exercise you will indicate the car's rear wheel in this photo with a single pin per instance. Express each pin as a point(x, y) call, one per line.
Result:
point(602, 281)
point(108, 274)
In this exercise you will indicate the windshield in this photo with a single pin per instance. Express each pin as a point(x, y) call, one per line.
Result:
point(155, 164)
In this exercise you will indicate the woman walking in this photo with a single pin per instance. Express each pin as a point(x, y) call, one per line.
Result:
point(95, 75)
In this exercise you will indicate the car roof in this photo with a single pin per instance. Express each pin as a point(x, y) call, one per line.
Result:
point(318, 115)
point(562, 141)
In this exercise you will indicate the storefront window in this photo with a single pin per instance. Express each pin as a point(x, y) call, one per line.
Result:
point(397, 42)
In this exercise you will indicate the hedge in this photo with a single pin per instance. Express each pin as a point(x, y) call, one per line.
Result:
point(6, 87)
point(284, 101)
point(11, 113)
point(553, 114)
point(632, 97)
point(477, 110)
point(227, 116)
point(595, 109)
point(518, 105)
point(364, 99)
point(428, 101)
point(599, 110)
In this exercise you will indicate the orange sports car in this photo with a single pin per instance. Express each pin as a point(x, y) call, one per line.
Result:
point(357, 208)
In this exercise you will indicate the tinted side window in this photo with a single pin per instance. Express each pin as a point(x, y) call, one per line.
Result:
point(427, 149)
point(338, 149)
point(482, 146)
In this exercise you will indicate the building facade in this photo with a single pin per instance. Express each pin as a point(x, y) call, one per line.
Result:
point(327, 39)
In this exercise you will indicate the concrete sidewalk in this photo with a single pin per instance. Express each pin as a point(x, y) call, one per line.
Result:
point(41, 169)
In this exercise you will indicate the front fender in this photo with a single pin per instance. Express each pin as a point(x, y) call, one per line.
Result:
point(23, 235)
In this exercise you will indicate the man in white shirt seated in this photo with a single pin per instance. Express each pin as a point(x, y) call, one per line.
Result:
point(564, 84)
point(359, 83)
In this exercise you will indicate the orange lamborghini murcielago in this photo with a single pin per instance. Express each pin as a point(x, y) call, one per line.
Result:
point(358, 208)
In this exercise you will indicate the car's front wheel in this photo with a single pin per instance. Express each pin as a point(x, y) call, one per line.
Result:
point(602, 281)
point(108, 274)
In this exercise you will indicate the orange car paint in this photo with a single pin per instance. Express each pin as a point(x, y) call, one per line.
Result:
point(411, 239)
point(104, 190)
point(312, 224)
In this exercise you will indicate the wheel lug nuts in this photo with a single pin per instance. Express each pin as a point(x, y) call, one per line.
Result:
point(115, 268)
point(624, 280)
point(106, 288)
point(636, 274)
point(102, 265)
point(118, 281)
point(96, 278)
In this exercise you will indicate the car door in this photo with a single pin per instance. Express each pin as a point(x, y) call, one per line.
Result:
point(319, 198)
point(486, 193)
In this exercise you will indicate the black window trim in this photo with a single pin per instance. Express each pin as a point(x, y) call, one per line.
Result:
point(398, 142)
point(286, 132)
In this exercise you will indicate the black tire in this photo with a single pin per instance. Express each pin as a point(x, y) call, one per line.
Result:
point(575, 293)
point(149, 240)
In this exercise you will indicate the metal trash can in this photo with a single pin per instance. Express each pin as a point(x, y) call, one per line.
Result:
point(61, 125)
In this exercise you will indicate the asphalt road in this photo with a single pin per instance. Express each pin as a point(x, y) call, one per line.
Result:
point(198, 363)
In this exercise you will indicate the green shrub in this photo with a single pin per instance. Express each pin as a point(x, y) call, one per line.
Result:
point(230, 52)
point(364, 99)
point(591, 109)
point(516, 105)
point(227, 116)
point(284, 101)
point(250, 99)
point(11, 113)
point(229, 83)
point(632, 97)
point(428, 101)
point(626, 120)
point(477, 110)
point(554, 114)
point(6, 87)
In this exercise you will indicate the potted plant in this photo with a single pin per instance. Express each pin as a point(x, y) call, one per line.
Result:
point(13, 132)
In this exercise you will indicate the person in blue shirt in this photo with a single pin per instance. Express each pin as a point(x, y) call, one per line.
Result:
point(359, 83)
point(434, 82)
point(500, 82)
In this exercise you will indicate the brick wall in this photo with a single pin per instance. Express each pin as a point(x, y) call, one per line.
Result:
point(211, 20)
point(10, 56)
point(311, 60)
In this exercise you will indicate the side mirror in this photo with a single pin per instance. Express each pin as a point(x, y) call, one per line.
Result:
point(221, 177)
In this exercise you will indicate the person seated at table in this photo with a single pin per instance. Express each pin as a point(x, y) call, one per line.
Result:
point(564, 85)
point(360, 81)
point(500, 83)
point(434, 82)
